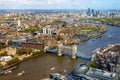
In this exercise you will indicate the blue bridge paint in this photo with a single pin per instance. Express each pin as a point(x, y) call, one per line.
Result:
point(78, 55)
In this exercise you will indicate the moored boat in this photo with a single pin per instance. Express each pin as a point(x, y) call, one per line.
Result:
point(21, 73)
point(7, 71)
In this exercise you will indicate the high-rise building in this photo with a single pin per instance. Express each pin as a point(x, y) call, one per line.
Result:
point(93, 12)
point(89, 12)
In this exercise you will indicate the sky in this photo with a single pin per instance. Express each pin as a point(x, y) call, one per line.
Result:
point(59, 4)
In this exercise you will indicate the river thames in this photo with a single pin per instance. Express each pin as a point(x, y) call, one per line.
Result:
point(39, 68)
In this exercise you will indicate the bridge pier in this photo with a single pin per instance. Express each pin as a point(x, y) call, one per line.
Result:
point(74, 51)
point(59, 53)
point(59, 48)
point(73, 57)
point(45, 47)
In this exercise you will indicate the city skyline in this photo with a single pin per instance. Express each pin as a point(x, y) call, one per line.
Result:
point(59, 4)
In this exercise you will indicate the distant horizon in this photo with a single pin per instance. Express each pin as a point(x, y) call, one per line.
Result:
point(59, 4)
point(59, 9)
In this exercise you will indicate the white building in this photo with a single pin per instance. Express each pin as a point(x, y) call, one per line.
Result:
point(5, 58)
point(46, 31)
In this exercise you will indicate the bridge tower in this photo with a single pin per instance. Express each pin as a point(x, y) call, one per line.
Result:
point(45, 47)
point(74, 51)
point(59, 48)
point(6, 42)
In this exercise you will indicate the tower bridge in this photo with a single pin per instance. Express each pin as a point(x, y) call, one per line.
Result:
point(71, 51)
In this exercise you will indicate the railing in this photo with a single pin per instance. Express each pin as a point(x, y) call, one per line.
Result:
point(78, 55)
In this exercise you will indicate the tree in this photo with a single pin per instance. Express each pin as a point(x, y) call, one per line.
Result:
point(32, 30)
point(35, 52)
point(22, 51)
point(14, 60)
point(38, 52)
point(10, 42)
point(4, 53)
point(29, 51)
point(93, 65)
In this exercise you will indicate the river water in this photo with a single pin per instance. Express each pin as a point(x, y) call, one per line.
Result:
point(40, 67)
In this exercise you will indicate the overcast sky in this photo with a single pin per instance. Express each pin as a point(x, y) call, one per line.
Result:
point(59, 4)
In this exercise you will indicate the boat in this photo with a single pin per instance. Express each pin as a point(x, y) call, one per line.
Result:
point(57, 76)
point(93, 39)
point(21, 73)
point(110, 36)
point(65, 70)
point(52, 68)
point(7, 71)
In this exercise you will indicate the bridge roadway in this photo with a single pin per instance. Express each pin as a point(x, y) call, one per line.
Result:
point(78, 55)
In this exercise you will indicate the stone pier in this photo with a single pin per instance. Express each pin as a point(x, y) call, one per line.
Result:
point(74, 51)
point(59, 48)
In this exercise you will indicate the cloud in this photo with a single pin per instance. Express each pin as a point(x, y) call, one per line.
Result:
point(39, 3)
point(56, 2)
point(78, 2)
point(93, 1)
point(28, 2)
point(4, 2)
point(32, 2)
point(21, 2)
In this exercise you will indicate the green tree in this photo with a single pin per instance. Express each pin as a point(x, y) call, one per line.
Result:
point(4, 53)
point(31, 30)
point(10, 42)
point(37, 52)
point(29, 51)
point(14, 60)
point(93, 65)
point(22, 51)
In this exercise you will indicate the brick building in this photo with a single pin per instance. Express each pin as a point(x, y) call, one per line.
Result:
point(32, 45)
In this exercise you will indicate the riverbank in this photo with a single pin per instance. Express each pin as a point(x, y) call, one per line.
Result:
point(86, 32)
point(107, 21)
point(16, 63)
point(97, 36)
